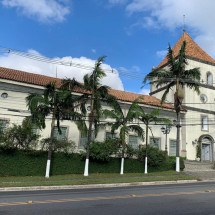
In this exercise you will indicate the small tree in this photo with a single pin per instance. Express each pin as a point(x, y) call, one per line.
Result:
point(58, 103)
point(66, 146)
point(124, 123)
point(21, 136)
point(148, 119)
point(95, 94)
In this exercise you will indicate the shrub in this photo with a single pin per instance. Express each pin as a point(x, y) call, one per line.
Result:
point(130, 152)
point(20, 136)
point(102, 151)
point(155, 156)
point(66, 146)
point(171, 163)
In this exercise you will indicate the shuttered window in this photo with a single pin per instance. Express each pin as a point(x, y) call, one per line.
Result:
point(133, 141)
point(110, 135)
point(63, 135)
point(83, 139)
point(155, 142)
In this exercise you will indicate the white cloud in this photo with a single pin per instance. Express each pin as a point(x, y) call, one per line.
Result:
point(168, 14)
point(131, 73)
point(144, 91)
point(17, 62)
point(161, 54)
point(47, 11)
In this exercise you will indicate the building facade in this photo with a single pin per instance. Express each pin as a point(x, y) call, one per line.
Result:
point(197, 125)
point(16, 85)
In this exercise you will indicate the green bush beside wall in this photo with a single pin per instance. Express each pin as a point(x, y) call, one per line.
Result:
point(33, 163)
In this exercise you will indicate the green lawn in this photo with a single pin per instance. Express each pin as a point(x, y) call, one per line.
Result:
point(92, 179)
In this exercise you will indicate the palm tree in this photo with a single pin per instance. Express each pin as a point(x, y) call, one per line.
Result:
point(58, 103)
point(95, 94)
point(176, 76)
point(124, 123)
point(148, 119)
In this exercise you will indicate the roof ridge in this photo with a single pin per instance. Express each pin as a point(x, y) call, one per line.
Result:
point(42, 80)
point(22, 71)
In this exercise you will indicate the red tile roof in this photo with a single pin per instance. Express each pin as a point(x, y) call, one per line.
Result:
point(42, 80)
point(192, 50)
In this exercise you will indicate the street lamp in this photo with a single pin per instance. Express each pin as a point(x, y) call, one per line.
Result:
point(166, 131)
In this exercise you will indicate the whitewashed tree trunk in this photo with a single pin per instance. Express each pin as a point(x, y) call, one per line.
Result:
point(122, 167)
point(48, 168)
point(86, 168)
point(146, 165)
point(177, 164)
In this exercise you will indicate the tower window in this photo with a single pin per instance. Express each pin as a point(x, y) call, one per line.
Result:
point(204, 120)
point(209, 78)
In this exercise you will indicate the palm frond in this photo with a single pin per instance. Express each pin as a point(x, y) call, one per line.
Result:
point(171, 59)
point(176, 64)
point(81, 124)
point(50, 90)
point(168, 87)
point(133, 112)
point(182, 60)
point(70, 84)
point(138, 130)
point(110, 114)
point(192, 74)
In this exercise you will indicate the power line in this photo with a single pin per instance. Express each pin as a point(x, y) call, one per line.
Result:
point(66, 63)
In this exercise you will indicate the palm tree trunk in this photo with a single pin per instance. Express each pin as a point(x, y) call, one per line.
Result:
point(89, 136)
point(178, 143)
point(123, 154)
point(89, 139)
point(50, 146)
point(146, 158)
point(177, 108)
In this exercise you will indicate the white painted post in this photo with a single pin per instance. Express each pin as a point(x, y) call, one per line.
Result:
point(146, 165)
point(86, 168)
point(177, 164)
point(48, 168)
point(122, 167)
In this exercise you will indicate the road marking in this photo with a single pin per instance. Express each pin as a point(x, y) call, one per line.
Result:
point(104, 198)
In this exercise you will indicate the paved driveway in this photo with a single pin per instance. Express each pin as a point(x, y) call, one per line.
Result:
point(203, 175)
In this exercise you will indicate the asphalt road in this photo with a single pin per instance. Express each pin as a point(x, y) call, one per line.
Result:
point(197, 198)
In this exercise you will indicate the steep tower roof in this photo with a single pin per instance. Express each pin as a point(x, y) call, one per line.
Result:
point(193, 51)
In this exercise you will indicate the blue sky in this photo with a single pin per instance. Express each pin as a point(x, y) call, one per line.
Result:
point(133, 34)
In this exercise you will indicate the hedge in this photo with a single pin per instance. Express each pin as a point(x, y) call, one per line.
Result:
point(33, 163)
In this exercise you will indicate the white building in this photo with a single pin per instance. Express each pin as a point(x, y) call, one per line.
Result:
point(16, 85)
point(197, 122)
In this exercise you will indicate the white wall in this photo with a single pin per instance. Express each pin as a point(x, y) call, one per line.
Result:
point(16, 101)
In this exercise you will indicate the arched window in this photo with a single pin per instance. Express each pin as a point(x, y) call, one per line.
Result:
point(209, 78)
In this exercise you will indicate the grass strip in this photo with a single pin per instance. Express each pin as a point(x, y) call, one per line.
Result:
point(103, 178)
